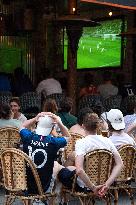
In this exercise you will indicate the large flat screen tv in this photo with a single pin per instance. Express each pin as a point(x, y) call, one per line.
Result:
point(99, 47)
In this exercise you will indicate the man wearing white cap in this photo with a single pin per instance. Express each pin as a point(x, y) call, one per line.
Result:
point(42, 147)
point(116, 125)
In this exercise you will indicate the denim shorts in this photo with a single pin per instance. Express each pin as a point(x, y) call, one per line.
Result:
point(66, 177)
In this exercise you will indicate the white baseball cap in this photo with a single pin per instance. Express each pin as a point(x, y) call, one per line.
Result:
point(44, 125)
point(116, 119)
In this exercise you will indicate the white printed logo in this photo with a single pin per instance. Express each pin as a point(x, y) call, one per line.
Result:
point(32, 156)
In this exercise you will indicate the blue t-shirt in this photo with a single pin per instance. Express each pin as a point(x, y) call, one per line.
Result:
point(43, 151)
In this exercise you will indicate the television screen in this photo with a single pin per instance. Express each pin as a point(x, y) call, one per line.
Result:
point(10, 58)
point(99, 46)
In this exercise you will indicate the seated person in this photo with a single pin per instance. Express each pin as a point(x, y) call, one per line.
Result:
point(92, 142)
point(130, 117)
point(21, 82)
point(132, 129)
point(15, 107)
point(41, 146)
point(50, 105)
point(116, 127)
point(49, 85)
point(125, 89)
point(98, 109)
point(107, 89)
point(6, 117)
point(64, 113)
point(78, 128)
point(5, 84)
point(89, 87)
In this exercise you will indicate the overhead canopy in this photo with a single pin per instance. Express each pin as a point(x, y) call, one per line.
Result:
point(126, 4)
point(75, 20)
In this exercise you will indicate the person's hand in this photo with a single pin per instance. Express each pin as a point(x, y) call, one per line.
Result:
point(41, 114)
point(97, 189)
point(102, 191)
point(55, 118)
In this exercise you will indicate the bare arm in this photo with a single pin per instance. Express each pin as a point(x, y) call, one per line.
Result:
point(81, 173)
point(116, 169)
point(29, 123)
point(131, 128)
point(115, 172)
point(63, 128)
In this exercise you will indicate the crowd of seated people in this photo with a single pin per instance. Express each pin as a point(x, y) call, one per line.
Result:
point(43, 139)
point(45, 136)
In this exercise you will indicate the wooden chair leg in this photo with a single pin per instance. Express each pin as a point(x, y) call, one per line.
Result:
point(82, 200)
point(52, 201)
point(26, 201)
point(107, 199)
point(131, 196)
point(116, 197)
point(9, 200)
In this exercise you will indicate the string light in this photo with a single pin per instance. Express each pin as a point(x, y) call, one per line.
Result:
point(73, 9)
point(110, 13)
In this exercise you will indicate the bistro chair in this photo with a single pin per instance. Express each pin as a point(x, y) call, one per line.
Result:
point(30, 104)
point(127, 104)
point(71, 143)
point(113, 102)
point(57, 97)
point(14, 166)
point(97, 165)
point(89, 101)
point(5, 96)
point(9, 137)
point(123, 181)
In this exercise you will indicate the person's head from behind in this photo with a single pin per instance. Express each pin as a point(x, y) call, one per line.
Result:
point(5, 112)
point(49, 73)
point(98, 109)
point(66, 105)
point(44, 126)
point(18, 72)
point(107, 76)
point(88, 79)
point(15, 105)
point(115, 120)
point(50, 105)
point(91, 123)
point(82, 113)
point(131, 108)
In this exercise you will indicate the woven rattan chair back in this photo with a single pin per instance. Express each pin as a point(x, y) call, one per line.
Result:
point(98, 165)
point(127, 153)
point(14, 163)
point(9, 137)
point(71, 144)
